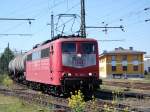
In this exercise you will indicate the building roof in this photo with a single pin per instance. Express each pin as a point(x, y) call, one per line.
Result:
point(147, 56)
point(121, 50)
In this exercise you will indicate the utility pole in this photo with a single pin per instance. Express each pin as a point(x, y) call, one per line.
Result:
point(8, 45)
point(8, 51)
point(52, 26)
point(83, 25)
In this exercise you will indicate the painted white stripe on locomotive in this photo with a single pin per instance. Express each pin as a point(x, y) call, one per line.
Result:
point(89, 60)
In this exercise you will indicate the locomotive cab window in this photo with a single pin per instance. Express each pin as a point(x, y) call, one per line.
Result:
point(36, 55)
point(88, 48)
point(68, 47)
point(45, 52)
point(29, 57)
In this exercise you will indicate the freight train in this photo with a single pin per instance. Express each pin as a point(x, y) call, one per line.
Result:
point(59, 65)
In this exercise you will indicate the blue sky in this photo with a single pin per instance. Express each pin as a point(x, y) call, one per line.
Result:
point(129, 13)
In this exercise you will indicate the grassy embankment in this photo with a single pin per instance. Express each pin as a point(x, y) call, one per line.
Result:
point(13, 104)
point(5, 80)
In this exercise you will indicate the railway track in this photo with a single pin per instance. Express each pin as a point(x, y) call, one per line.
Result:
point(37, 98)
point(133, 85)
point(56, 103)
point(108, 94)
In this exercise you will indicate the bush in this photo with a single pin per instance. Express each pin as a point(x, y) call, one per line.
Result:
point(2, 78)
point(6, 81)
point(76, 102)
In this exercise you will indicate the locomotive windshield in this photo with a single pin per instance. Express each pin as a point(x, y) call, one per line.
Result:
point(78, 54)
point(68, 47)
point(88, 48)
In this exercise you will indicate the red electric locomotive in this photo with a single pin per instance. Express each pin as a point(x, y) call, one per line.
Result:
point(60, 65)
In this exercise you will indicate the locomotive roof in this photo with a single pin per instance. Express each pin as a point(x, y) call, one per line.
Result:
point(76, 39)
point(60, 39)
point(63, 38)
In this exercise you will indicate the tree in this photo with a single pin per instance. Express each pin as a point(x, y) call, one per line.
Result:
point(5, 58)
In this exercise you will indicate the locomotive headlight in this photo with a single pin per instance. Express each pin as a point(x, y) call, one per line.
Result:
point(90, 74)
point(79, 55)
point(65, 74)
point(69, 74)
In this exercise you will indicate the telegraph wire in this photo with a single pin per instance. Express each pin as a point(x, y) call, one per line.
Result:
point(57, 4)
point(122, 8)
point(114, 40)
point(129, 14)
point(27, 3)
point(72, 7)
point(18, 25)
point(27, 6)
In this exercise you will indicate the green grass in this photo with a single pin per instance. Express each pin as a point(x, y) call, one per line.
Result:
point(147, 77)
point(12, 104)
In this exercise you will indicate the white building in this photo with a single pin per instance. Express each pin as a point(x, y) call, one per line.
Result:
point(147, 63)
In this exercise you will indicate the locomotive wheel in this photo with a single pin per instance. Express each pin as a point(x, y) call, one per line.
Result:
point(56, 91)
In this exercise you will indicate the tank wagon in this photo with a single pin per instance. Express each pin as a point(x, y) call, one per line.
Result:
point(59, 66)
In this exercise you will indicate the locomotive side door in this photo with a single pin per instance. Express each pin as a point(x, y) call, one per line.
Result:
point(51, 62)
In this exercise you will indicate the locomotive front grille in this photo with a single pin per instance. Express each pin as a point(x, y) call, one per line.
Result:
point(80, 81)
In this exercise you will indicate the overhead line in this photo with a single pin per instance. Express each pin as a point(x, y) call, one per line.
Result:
point(16, 34)
point(121, 40)
point(129, 14)
point(103, 27)
point(122, 8)
point(16, 19)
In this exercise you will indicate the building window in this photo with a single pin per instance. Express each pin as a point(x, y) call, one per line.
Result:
point(45, 52)
point(148, 69)
point(135, 68)
point(113, 58)
point(124, 68)
point(113, 68)
point(135, 57)
point(124, 57)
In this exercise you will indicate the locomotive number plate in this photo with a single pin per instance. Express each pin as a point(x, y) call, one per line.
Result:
point(78, 61)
